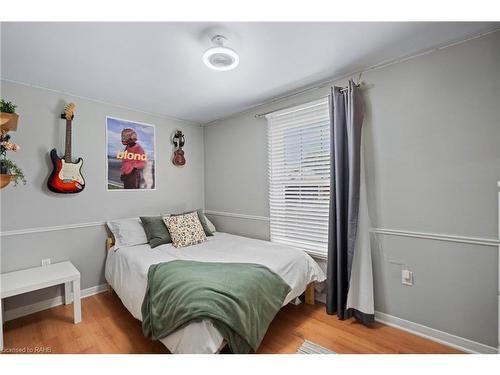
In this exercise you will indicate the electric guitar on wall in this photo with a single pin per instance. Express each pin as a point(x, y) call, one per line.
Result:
point(66, 177)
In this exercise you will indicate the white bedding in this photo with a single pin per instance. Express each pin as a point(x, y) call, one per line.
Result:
point(127, 267)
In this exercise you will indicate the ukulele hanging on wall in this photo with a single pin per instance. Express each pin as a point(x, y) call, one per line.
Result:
point(178, 142)
point(66, 177)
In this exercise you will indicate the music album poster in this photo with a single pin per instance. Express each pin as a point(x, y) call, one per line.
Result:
point(130, 152)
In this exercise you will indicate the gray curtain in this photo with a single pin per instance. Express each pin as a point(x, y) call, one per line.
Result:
point(346, 111)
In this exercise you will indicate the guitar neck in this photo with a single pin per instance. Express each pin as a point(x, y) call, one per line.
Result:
point(67, 150)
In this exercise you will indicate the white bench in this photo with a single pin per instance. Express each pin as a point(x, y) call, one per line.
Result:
point(18, 282)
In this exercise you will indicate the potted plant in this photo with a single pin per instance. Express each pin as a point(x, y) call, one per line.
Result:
point(8, 115)
point(9, 171)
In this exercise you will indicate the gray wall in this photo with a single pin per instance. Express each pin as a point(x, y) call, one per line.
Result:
point(433, 159)
point(32, 206)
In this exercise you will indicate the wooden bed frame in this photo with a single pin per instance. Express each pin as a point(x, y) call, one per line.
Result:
point(110, 241)
point(309, 293)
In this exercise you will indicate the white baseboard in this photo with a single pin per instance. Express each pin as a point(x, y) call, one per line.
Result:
point(48, 303)
point(456, 342)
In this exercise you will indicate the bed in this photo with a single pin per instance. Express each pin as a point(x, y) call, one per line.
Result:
point(127, 268)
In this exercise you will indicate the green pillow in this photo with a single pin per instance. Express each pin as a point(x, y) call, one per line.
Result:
point(203, 221)
point(156, 231)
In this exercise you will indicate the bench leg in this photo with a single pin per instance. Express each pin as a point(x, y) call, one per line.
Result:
point(77, 308)
point(310, 294)
point(1, 325)
point(67, 293)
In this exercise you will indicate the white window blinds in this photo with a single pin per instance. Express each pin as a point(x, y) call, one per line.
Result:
point(299, 176)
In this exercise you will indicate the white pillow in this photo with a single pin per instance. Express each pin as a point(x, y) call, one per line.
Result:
point(127, 232)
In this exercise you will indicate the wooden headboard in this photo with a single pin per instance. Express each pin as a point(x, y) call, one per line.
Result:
point(110, 241)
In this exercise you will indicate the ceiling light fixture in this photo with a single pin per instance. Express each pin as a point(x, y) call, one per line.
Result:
point(219, 57)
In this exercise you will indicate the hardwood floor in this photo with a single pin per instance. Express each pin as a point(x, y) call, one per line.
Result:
point(107, 327)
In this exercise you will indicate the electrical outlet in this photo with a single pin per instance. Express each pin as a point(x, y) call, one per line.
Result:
point(407, 277)
point(45, 262)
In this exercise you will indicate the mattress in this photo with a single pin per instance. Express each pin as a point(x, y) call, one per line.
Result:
point(127, 268)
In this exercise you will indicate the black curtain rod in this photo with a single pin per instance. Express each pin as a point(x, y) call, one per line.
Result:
point(259, 115)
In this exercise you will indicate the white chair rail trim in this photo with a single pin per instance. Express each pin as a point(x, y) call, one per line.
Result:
point(17, 232)
point(438, 236)
point(239, 216)
point(383, 231)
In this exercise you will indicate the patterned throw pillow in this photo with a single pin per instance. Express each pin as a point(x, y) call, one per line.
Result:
point(185, 229)
point(203, 220)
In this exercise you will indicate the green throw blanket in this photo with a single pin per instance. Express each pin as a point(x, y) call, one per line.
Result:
point(240, 299)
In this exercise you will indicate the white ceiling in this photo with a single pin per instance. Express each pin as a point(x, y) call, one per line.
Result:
point(157, 67)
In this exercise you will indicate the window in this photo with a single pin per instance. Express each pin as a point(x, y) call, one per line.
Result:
point(299, 176)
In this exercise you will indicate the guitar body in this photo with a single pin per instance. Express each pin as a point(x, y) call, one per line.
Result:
point(179, 158)
point(66, 178)
point(179, 142)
